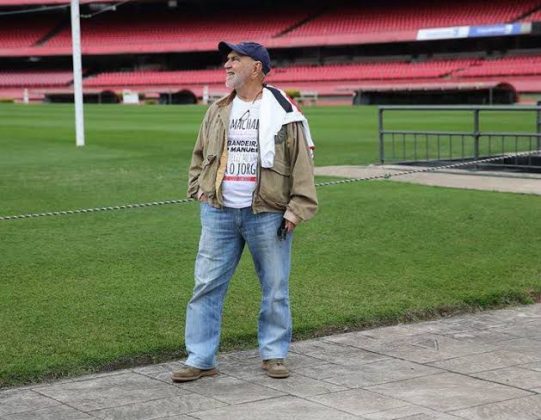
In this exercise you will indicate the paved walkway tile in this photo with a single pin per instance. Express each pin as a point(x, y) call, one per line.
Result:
point(59, 412)
point(298, 385)
point(527, 408)
point(475, 366)
point(532, 331)
point(159, 408)
point(331, 352)
point(381, 372)
point(522, 345)
point(533, 366)
point(358, 401)
point(409, 412)
point(448, 391)
point(16, 401)
point(484, 336)
point(287, 407)
point(110, 391)
point(420, 348)
point(323, 371)
point(231, 390)
point(161, 372)
point(516, 376)
point(180, 417)
point(485, 361)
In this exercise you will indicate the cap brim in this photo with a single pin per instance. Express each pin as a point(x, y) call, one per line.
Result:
point(226, 47)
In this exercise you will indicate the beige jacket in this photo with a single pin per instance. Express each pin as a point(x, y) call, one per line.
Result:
point(288, 186)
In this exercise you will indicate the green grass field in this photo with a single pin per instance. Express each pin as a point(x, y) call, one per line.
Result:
point(97, 291)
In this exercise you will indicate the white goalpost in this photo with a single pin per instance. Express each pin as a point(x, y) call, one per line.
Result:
point(77, 74)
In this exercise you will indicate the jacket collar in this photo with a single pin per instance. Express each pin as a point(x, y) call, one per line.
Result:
point(226, 100)
point(224, 108)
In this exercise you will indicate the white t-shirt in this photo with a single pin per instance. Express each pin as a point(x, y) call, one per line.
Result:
point(242, 146)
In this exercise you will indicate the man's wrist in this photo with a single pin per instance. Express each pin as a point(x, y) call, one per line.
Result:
point(291, 217)
point(200, 194)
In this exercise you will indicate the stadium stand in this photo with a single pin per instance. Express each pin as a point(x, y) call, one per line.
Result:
point(369, 71)
point(389, 71)
point(337, 80)
point(156, 78)
point(319, 76)
point(509, 66)
point(289, 74)
point(24, 32)
point(166, 31)
point(34, 85)
point(534, 16)
point(33, 79)
point(402, 19)
point(144, 40)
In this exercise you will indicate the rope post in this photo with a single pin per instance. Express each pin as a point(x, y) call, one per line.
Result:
point(476, 134)
point(538, 125)
point(381, 136)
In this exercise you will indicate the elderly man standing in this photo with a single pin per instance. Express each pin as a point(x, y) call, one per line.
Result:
point(252, 172)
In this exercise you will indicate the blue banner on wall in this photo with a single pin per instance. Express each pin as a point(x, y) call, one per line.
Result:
point(496, 30)
point(455, 32)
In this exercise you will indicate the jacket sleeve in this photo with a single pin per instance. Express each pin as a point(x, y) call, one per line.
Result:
point(303, 199)
point(197, 159)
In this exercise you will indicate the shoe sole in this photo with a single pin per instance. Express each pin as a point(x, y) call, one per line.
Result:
point(278, 376)
point(211, 372)
point(275, 375)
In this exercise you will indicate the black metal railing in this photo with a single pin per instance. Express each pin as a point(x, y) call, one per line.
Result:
point(433, 147)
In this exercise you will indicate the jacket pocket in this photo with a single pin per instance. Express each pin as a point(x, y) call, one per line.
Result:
point(209, 167)
point(281, 168)
point(275, 185)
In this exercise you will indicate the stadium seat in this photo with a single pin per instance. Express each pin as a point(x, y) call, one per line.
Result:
point(155, 29)
point(21, 32)
point(406, 15)
point(508, 66)
point(32, 79)
point(333, 78)
point(179, 30)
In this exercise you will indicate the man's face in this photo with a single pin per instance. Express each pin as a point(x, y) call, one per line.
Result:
point(238, 69)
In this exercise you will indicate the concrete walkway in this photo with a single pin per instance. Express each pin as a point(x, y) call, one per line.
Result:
point(453, 178)
point(477, 366)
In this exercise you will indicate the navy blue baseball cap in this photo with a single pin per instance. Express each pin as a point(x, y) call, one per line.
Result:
point(252, 49)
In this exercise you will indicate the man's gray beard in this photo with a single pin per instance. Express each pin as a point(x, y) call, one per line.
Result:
point(235, 82)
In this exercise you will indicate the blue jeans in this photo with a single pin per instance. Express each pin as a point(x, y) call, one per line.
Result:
point(223, 235)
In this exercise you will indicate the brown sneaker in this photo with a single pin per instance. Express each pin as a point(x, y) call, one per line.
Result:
point(189, 373)
point(275, 368)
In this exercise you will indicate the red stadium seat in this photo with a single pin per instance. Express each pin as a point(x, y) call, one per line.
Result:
point(405, 15)
point(332, 77)
point(33, 79)
point(509, 66)
point(21, 32)
point(181, 30)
